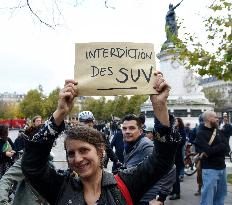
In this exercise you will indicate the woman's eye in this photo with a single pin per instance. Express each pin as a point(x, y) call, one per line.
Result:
point(83, 150)
point(71, 154)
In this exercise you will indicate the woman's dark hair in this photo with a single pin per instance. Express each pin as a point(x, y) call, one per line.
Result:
point(4, 131)
point(180, 123)
point(86, 134)
point(133, 117)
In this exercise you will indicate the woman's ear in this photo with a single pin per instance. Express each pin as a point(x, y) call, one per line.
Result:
point(101, 150)
point(101, 154)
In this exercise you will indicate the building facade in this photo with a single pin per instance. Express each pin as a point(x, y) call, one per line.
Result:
point(11, 98)
point(225, 88)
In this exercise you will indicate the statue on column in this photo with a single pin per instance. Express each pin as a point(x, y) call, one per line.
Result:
point(171, 24)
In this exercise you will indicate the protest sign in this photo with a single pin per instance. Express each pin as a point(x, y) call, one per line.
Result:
point(107, 69)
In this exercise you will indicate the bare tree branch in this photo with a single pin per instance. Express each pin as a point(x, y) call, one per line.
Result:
point(41, 21)
point(106, 5)
point(58, 9)
point(14, 7)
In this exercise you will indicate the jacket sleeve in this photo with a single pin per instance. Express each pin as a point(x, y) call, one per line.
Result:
point(165, 184)
point(227, 130)
point(112, 143)
point(35, 162)
point(162, 187)
point(109, 151)
point(203, 145)
point(2, 154)
point(139, 179)
point(11, 143)
point(13, 174)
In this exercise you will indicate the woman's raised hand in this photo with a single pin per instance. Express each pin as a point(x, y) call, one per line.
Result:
point(65, 101)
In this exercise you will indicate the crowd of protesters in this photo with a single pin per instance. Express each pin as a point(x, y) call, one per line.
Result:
point(125, 155)
point(154, 156)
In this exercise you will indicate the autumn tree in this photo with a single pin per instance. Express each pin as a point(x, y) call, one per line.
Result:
point(8, 110)
point(135, 103)
point(33, 104)
point(50, 103)
point(215, 96)
point(1, 109)
point(120, 106)
point(213, 58)
point(89, 103)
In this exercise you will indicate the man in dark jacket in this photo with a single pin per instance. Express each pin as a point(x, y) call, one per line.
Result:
point(214, 187)
point(137, 148)
point(227, 129)
point(118, 144)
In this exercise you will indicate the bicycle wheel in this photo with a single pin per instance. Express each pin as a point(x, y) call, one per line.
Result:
point(190, 171)
point(190, 167)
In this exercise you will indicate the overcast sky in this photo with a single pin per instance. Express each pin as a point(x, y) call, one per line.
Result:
point(32, 54)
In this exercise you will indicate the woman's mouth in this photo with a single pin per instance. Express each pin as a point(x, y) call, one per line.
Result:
point(83, 167)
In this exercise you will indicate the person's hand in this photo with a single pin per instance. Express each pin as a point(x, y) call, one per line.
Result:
point(10, 153)
point(66, 96)
point(154, 202)
point(66, 100)
point(159, 100)
point(162, 87)
point(119, 164)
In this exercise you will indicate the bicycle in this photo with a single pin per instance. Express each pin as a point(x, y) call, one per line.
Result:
point(190, 166)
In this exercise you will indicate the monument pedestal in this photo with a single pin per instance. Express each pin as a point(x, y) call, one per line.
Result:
point(186, 100)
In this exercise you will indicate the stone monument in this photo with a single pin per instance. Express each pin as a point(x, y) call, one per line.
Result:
point(186, 100)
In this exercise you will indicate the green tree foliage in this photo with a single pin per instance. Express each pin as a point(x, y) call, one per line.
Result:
point(8, 110)
point(135, 102)
point(215, 57)
point(1, 110)
point(119, 107)
point(11, 111)
point(33, 104)
point(50, 103)
point(74, 111)
point(97, 107)
point(89, 104)
point(36, 103)
point(215, 96)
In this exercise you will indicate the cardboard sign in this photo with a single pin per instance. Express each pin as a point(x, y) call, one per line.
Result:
point(108, 69)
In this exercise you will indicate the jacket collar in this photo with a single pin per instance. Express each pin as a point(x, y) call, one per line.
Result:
point(128, 147)
point(107, 179)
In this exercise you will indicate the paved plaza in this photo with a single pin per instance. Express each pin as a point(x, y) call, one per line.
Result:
point(188, 188)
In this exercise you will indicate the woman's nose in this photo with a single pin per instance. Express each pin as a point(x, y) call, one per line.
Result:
point(78, 158)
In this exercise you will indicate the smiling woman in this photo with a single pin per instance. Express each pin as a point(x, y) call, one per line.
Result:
point(84, 152)
point(85, 149)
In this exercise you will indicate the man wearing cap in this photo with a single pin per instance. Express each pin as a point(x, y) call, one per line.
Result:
point(86, 118)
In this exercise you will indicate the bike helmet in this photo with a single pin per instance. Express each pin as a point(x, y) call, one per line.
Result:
point(85, 116)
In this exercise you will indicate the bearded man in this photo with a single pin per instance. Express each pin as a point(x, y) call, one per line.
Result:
point(212, 143)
